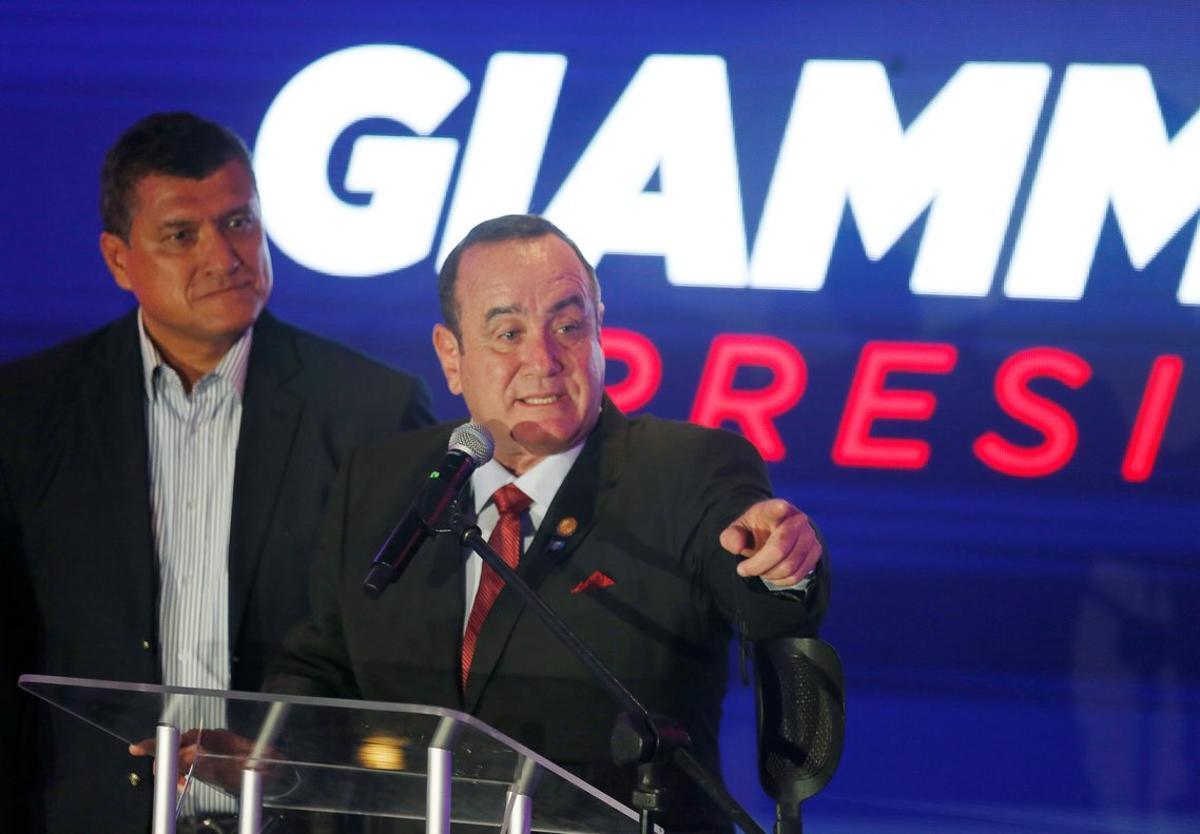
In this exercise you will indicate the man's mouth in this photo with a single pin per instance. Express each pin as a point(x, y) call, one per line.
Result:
point(547, 399)
point(242, 285)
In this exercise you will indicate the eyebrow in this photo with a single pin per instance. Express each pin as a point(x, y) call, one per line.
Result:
point(575, 300)
point(570, 301)
point(178, 224)
point(244, 208)
point(496, 312)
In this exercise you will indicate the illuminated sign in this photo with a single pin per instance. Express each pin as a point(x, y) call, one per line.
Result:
point(960, 162)
point(871, 399)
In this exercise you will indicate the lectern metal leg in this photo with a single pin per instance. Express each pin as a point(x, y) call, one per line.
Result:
point(166, 777)
point(250, 809)
point(519, 800)
point(520, 813)
point(437, 791)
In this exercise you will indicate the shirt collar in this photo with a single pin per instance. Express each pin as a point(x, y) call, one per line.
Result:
point(540, 483)
point(232, 367)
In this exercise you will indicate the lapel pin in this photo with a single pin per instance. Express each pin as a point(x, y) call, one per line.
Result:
point(562, 532)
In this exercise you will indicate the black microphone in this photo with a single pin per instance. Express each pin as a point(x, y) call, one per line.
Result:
point(471, 446)
point(801, 706)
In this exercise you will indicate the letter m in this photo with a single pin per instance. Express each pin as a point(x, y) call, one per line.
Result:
point(960, 159)
point(1107, 145)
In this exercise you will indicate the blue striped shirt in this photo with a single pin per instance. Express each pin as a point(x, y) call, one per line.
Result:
point(192, 449)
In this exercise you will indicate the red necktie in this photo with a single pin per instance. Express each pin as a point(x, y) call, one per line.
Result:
point(505, 540)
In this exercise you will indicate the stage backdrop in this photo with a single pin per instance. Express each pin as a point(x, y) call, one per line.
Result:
point(939, 261)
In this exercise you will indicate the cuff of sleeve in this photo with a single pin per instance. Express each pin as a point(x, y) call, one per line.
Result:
point(800, 587)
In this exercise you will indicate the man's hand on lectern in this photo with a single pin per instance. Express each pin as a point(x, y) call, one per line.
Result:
point(215, 757)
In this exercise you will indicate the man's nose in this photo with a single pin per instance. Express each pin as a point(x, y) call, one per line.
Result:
point(220, 255)
point(542, 354)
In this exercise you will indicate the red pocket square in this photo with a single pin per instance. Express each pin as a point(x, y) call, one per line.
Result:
point(596, 580)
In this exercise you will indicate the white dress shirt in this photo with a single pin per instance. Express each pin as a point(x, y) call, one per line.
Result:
point(540, 483)
point(192, 448)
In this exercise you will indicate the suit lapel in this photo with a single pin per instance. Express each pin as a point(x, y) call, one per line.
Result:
point(113, 400)
point(581, 498)
point(433, 585)
point(270, 416)
point(443, 603)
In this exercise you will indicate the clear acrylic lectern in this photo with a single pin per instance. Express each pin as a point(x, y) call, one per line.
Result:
point(354, 757)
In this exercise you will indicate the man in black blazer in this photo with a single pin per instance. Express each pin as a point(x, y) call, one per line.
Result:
point(80, 580)
point(633, 536)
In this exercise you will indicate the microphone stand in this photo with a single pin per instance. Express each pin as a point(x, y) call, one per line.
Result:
point(639, 737)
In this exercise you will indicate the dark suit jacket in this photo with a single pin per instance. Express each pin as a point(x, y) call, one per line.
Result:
point(79, 566)
point(650, 498)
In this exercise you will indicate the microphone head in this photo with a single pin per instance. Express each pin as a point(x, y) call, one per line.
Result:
point(475, 441)
point(801, 706)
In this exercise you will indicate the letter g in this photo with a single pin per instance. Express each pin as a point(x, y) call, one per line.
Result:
point(406, 176)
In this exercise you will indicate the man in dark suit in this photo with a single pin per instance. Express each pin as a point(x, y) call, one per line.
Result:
point(98, 498)
point(654, 540)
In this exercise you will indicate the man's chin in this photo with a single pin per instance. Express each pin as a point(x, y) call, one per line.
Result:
point(543, 440)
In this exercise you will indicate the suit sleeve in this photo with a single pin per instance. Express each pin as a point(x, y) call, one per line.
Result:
point(17, 625)
point(418, 411)
point(729, 476)
point(314, 660)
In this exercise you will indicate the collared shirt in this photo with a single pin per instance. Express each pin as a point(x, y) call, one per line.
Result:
point(540, 483)
point(192, 448)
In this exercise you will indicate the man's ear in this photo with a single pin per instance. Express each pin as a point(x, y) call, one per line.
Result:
point(116, 255)
point(449, 353)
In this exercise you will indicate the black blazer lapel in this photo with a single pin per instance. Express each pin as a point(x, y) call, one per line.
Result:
point(424, 609)
point(444, 606)
point(114, 429)
point(270, 416)
point(575, 508)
